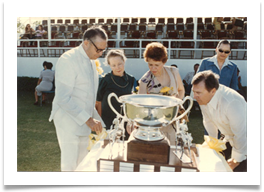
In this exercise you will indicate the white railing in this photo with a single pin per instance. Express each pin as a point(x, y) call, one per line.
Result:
point(139, 48)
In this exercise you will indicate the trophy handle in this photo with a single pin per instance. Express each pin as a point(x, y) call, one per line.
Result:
point(187, 110)
point(111, 106)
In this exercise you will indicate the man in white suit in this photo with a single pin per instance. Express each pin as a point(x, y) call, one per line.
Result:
point(73, 108)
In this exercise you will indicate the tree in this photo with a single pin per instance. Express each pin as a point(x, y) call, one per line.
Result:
point(20, 26)
point(36, 23)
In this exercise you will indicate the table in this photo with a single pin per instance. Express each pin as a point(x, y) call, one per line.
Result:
point(208, 160)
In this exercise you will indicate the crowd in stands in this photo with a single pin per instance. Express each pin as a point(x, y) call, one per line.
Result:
point(148, 28)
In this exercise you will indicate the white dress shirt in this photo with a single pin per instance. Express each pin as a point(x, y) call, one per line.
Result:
point(76, 88)
point(227, 111)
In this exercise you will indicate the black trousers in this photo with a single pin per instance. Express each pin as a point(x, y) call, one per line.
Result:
point(242, 167)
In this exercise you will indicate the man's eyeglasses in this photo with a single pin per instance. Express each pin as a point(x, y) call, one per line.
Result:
point(222, 51)
point(98, 50)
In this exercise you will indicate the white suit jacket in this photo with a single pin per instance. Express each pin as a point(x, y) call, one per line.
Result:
point(76, 89)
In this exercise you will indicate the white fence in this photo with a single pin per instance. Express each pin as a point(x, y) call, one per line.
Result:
point(173, 53)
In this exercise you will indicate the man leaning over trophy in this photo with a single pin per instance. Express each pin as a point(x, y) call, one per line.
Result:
point(225, 110)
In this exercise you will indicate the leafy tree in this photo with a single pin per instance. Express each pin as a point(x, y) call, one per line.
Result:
point(20, 26)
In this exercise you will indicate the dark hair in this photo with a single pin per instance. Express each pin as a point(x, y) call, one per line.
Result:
point(156, 51)
point(94, 31)
point(225, 42)
point(196, 64)
point(41, 27)
point(173, 65)
point(210, 79)
point(49, 65)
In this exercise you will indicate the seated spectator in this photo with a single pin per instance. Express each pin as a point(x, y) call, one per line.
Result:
point(40, 32)
point(45, 82)
point(29, 33)
point(217, 23)
point(237, 23)
point(188, 79)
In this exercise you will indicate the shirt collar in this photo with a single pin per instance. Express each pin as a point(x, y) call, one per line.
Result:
point(214, 60)
point(82, 51)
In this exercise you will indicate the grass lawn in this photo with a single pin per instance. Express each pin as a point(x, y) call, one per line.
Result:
point(37, 145)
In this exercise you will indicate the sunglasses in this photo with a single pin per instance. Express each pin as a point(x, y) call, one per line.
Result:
point(222, 51)
point(98, 50)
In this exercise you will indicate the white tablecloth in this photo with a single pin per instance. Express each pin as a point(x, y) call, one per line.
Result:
point(208, 161)
point(89, 163)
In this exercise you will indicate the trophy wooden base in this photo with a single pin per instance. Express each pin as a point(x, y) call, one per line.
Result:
point(148, 151)
point(117, 161)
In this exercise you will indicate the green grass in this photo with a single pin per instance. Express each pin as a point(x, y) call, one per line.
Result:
point(196, 127)
point(37, 145)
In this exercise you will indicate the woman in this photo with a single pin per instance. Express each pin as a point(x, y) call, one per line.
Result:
point(117, 81)
point(29, 33)
point(217, 23)
point(45, 82)
point(40, 32)
point(160, 76)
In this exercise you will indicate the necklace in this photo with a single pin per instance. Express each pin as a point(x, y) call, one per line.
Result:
point(120, 85)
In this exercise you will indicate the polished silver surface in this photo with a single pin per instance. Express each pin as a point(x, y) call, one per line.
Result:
point(150, 100)
point(148, 134)
point(150, 112)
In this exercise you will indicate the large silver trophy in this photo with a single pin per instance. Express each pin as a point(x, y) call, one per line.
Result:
point(150, 113)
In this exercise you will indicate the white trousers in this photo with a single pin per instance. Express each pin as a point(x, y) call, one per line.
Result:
point(73, 148)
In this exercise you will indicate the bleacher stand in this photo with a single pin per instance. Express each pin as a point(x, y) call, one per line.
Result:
point(147, 28)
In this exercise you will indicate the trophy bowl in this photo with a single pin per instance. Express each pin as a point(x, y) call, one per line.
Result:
point(150, 112)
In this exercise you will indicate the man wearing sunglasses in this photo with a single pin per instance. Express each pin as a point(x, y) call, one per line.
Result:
point(221, 65)
point(73, 108)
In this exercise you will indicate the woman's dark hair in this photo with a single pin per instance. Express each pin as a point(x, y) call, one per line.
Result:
point(94, 31)
point(49, 65)
point(210, 79)
point(44, 63)
point(41, 27)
